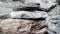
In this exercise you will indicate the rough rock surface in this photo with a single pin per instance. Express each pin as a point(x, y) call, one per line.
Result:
point(27, 14)
point(58, 1)
point(55, 20)
point(5, 6)
point(54, 15)
point(44, 5)
point(20, 26)
point(4, 16)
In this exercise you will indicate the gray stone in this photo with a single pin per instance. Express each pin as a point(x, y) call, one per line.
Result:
point(52, 29)
point(45, 5)
point(56, 17)
point(5, 7)
point(58, 1)
point(55, 20)
point(27, 14)
point(55, 11)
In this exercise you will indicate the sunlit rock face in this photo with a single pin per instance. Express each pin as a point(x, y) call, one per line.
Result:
point(27, 14)
point(21, 26)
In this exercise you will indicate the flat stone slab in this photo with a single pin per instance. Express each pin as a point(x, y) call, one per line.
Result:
point(27, 14)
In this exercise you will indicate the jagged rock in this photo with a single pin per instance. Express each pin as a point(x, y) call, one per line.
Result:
point(44, 5)
point(26, 14)
point(20, 26)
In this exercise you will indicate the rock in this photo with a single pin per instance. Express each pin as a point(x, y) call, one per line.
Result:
point(47, 5)
point(6, 7)
point(55, 11)
point(58, 1)
point(16, 26)
point(52, 28)
point(56, 17)
point(6, 1)
point(26, 14)
point(56, 21)
point(18, 6)
point(44, 5)
point(20, 26)
point(4, 16)
point(0, 20)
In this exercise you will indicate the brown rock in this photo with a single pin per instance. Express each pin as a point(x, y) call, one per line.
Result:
point(19, 26)
point(4, 16)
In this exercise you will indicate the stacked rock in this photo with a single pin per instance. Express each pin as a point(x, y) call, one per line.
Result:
point(29, 17)
point(40, 5)
point(25, 22)
point(36, 6)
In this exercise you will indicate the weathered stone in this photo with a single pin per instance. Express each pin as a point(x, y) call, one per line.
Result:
point(5, 7)
point(20, 26)
point(26, 14)
point(4, 16)
point(58, 1)
point(47, 4)
point(56, 21)
point(44, 5)
point(56, 17)
point(52, 28)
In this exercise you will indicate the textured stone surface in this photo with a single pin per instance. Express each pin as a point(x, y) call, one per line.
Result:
point(19, 26)
point(58, 1)
point(4, 16)
point(9, 25)
point(26, 14)
point(44, 5)
point(5, 6)
point(55, 20)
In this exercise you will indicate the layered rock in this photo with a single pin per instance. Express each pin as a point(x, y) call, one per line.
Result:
point(27, 20)
point(21, 26)
point(44, 5)
point(27, 14)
